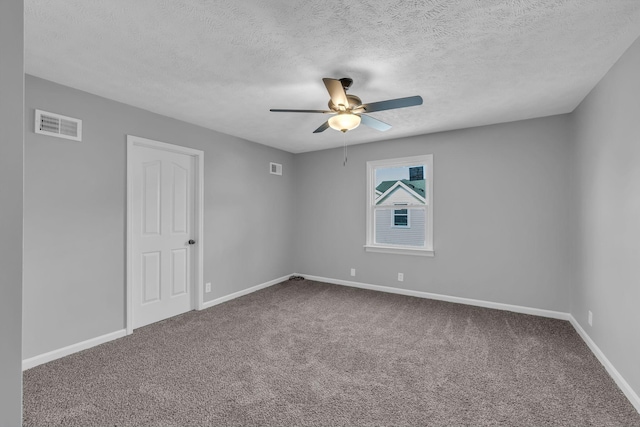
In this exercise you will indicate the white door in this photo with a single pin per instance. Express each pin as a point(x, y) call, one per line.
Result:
point(162, 238)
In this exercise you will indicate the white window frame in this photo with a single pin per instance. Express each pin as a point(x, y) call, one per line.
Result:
point(372, 166)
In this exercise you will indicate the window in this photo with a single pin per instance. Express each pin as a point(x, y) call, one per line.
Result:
point(400, 206)
point(400, 217)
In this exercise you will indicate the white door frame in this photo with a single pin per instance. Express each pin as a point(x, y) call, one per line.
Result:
point(197, 300)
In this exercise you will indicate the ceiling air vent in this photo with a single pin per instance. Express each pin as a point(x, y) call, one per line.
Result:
point(275, 168)
point(57, 125)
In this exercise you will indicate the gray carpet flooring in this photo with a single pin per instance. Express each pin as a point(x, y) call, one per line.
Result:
point(304, 353)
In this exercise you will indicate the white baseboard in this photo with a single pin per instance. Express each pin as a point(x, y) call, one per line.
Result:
point(440, 297)
point(613, 372)
point(70, 349)
point(243, 292)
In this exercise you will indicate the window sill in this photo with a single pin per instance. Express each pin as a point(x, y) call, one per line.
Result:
point(399, 251)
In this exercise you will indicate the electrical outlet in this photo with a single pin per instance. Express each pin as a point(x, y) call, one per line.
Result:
point(400, 277)
point(353, 271)
point(590, 318)
point(207, 287)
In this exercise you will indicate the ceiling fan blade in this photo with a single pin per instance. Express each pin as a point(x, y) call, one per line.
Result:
point(374, 123)
point(336, 91)
point(277, 110)
point(322, 127)
point(392, 104)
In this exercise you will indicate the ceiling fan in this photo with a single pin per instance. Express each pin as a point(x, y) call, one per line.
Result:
point(348, 110)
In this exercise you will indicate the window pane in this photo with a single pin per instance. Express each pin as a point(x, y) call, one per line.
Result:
point(400, 185)
point(411, 232)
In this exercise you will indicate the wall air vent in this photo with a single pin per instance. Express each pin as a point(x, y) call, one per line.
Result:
point(275, 168)
point(57, 125)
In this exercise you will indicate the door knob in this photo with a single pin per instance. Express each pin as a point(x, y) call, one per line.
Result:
point(192, 242)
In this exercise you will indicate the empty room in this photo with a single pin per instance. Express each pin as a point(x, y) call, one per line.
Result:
point(278, 213)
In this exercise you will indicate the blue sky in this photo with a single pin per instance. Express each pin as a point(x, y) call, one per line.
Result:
point(391, 174)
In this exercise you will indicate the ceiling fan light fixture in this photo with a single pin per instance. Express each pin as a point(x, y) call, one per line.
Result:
point(344, 121)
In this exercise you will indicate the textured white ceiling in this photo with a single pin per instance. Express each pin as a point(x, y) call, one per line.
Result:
point(223, 64)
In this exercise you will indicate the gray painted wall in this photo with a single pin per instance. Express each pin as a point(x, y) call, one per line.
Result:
point(11, 169)
point(501, 214)
point(607, 132)
point(75, 207)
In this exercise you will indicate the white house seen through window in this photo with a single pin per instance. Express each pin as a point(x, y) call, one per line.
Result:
point(400, 205)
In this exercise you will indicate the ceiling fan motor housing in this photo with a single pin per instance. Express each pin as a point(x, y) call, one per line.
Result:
point(354, 102)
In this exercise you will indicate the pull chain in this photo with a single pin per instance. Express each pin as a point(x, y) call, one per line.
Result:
point(344, 142)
